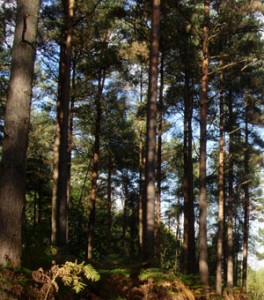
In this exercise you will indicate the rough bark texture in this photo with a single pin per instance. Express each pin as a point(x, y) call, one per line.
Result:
point(149, 203)
point(220, 235)
point(15, 142)
point(61, 158)
point(203, 260)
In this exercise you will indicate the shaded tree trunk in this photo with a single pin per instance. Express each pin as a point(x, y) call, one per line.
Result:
point(141, 194)
point(230, 257)
point(203, 259)
point(125, 210)
point(159, 165)
point(246, 205)
point(189, 232)
point(70, 139)
point(95, 165)
point(109, 204)
point(16, 128)
point(220, 235)
point(141, 172)
point(149, 201)
point(39, 204)
point(61, 159)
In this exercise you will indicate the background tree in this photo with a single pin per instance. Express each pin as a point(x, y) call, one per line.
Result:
point(59, 234)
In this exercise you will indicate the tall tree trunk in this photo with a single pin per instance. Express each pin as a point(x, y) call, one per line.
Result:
point(159, 165)
point(230, 257)
point(203, 259)
point(39, 204)
point(141, 172)
point(141, 192)
point(109, 204)
point(189, 233)
point(246, 204)
point(149, 201)
point(70, 139)
point(220, 235)
point(16, 127)
point(125, 210)
point(60, 164)
point(35, 210)
point(95, 165)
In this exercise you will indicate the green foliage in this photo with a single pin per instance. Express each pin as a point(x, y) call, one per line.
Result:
point(136, 282)
point(119, 271)
point(70, 274)
point(255, 284)
point(155, 274)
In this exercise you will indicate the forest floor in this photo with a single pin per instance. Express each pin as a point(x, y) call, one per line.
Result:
point(114, 284)
point(110, 280)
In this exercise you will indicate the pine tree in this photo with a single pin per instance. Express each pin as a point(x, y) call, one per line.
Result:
point(59, 234)
point(15, 142)
point(149, 201)
point(203, 259)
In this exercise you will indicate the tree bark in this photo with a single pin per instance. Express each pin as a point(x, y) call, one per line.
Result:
point(141, 193)
point(230, 257)
point(70, 139)
point(220, 235)
point(149, 201)
point(125, 210)
point(246, 204)
point(189, 232)
point(60, 163)
point(159, 165)
point(141, 170)
point(203, 259)
point(109, 204)
point(16, 128)
point(95, 165)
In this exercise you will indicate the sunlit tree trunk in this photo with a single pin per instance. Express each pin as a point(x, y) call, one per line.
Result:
point(95, 165)
point(60, 165)
point(149, 201)
point(220, 235)
point(203, 259)
point(246, 204)
point(16, 129)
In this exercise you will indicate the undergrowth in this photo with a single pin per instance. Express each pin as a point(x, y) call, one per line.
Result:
point(75, 281)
